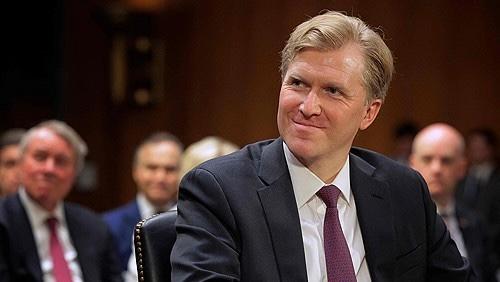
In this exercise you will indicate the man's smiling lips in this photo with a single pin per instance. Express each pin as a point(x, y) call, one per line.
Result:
point(306, 123)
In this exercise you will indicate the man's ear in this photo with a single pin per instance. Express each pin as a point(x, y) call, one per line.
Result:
point(462, 167)
point(371, 113)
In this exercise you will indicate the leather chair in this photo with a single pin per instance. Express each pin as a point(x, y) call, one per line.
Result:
point(154, 238)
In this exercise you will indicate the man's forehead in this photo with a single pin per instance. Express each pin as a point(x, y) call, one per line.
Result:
point(159, 151)
point(46, 139)
point(9, 153)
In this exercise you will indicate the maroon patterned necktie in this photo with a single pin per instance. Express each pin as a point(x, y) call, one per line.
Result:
point(60, 266)
point(338, 259)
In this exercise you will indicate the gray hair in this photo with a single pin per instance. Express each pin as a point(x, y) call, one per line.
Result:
point(332, 30)
point(64, 131)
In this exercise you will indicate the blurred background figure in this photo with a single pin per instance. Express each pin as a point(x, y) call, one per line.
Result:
point(439, 155)
point(198, 152)
point(403, 138)
point(43, 237)
point(156, 172)
point(207, 148)
point(482, 183)
point(480, 189)
point(9, 157)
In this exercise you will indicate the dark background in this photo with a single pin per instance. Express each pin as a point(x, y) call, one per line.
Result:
point(219, 62)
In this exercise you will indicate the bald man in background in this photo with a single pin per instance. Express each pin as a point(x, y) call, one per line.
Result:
point(438, 153)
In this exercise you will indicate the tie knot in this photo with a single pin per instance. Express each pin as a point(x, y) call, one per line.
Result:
point(329, 194)
point(445, 215)
point(52, 222)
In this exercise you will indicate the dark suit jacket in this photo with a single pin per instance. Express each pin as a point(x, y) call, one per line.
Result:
point(90, 236)
point(122, 222)
point(476, 242)
point(238, 220)
point(484, 198)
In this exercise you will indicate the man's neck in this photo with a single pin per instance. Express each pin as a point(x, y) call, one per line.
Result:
point(326, 168)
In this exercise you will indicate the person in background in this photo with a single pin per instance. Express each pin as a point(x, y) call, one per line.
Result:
point(481, 186)
point(197, 153)
point(307, 206)
point(206, 149)
point(9, 157)
point(439, 155)
point(43, 237)
point(480, 189)
point(403, 139)
point(156, 173)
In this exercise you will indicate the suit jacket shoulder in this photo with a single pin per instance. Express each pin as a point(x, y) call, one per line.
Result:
point(122, 221)
point(238, 220)
point(90, 236)
point(18, 252)
point(240, 214)
point(93, 242)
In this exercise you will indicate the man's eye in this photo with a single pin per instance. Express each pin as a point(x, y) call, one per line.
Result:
point(332, 90)
point(62, 161)
point(447, 161)
point(40, 157)
point(297, 82)
point(152, 167)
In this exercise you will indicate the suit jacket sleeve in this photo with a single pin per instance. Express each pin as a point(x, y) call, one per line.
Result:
point(207, 245)
point(444, 261)
point(112, 271)
point(4, 267)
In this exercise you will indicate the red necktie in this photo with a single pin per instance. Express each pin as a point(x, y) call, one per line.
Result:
point(60, 266)
point(338, 258)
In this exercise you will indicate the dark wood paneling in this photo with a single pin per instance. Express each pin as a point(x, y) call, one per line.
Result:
point(222, 78)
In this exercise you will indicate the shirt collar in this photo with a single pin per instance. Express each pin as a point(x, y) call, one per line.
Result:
point(448, 210)
point(305, 183)
point(37, 214)
point(147, 209)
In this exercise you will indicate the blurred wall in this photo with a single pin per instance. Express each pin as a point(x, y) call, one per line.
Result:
point(221, 75)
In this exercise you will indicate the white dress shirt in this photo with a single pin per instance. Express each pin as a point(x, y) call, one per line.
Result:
point(146, 209)
point(448, 214)
point(312, 212)
point(38, 219)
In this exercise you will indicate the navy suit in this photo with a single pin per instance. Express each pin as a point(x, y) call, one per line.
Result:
point(90, 236)
point(122, 222)
point(238, 221)
point(476, 242)
point(485, 200)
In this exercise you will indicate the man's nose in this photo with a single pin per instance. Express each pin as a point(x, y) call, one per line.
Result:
point(161, 173)
point(436, 166)
point(49, 165)
point(311, 105)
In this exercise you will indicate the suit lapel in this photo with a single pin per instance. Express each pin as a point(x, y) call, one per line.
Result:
point(280, 208)
point(133, 215)
point(374, 211)
point(25, 239)
point(82, 244)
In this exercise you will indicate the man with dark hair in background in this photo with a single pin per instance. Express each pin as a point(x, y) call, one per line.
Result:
point(480, 190)
point(9, 158)
point(156, 172)
point(403, 139)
